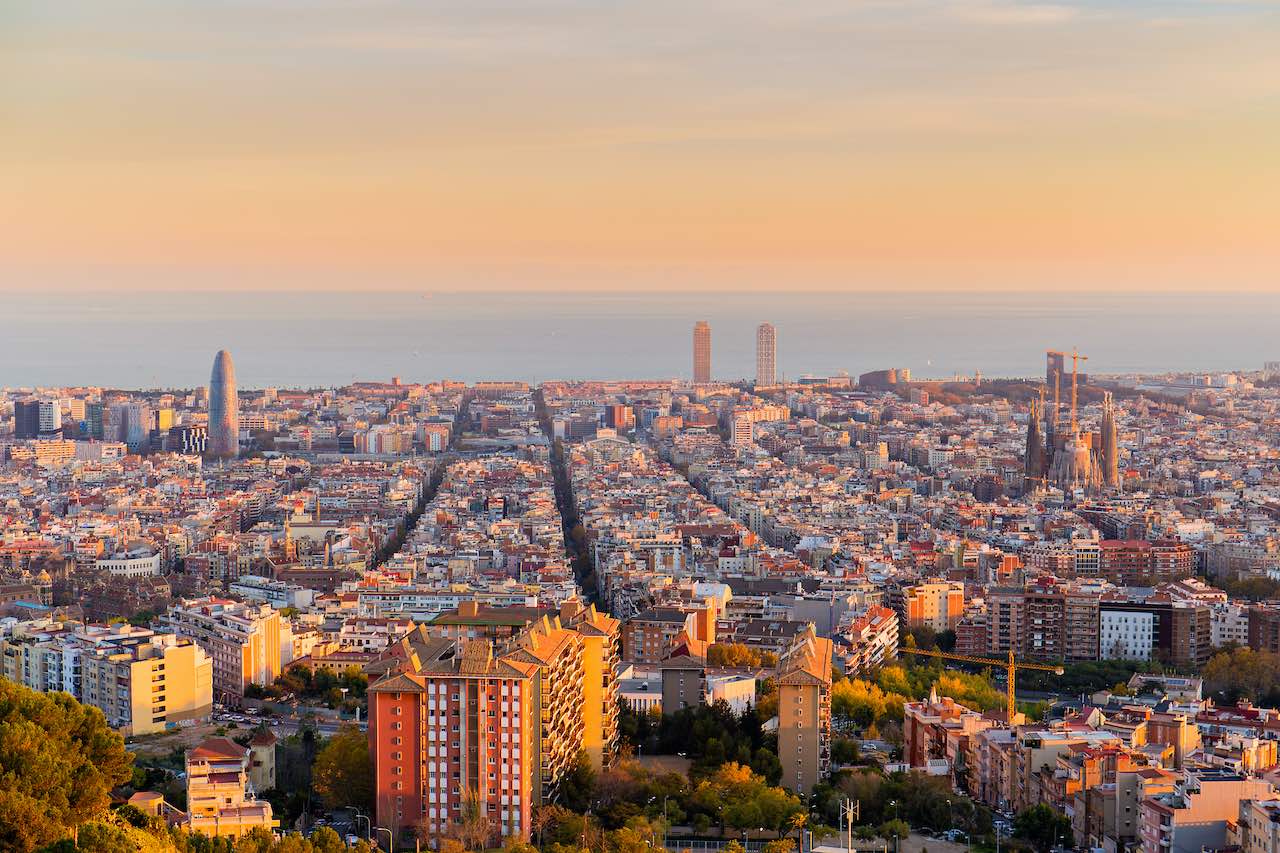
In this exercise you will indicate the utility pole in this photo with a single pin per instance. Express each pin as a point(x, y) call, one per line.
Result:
point(850, 810)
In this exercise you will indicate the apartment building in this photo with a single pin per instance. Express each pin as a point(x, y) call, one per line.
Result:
point(243, 640)
point(938, 729)
point(220, 796)
point(141, 680)
point(866, 641)
point(1196, 814)
point(936, 604)
point(555, 671)
point(804, 712)
point(451, 727)
point(647, 637)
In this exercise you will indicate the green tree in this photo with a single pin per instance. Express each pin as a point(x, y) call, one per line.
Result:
point(58, 764)
point(343, 774)
point(1042, 827)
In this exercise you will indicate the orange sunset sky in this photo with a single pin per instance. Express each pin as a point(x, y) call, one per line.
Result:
point(864, 144)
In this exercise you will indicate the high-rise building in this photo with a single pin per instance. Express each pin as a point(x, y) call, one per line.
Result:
point(766, 355)
point(492, 704)
point(37, 419)
point(93, 420)
point(26, 419)
point(804, 712)
point(242, 639)
point(702, 351)
point(224, 409)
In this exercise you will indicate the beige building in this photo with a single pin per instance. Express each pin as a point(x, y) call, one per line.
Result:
point(262, 761)
point(142, 681)
point(243, 641)
point(144, 684)
point(220, 799)
point(804, 711)
point(601, 636)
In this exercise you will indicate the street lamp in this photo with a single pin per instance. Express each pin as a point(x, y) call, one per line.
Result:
point(368, 831)
point(391, 841)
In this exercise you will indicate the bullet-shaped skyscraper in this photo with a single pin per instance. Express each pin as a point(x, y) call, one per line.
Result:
point(224, 409)
point(702, 351)
point(766, 355)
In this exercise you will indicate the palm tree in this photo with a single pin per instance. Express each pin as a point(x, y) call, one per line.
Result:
point(797, 822)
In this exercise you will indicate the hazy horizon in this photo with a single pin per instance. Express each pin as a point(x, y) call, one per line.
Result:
point(145, 339)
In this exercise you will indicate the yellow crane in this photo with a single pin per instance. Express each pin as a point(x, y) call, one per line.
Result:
point(1011, 666)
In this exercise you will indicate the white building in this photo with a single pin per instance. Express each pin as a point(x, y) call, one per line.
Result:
point(276, 593)
point(738, 691)
point(1228, 623)
point(1125, 635)
point(137, 561)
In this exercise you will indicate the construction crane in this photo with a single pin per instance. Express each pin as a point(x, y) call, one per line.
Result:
point(1011, 666)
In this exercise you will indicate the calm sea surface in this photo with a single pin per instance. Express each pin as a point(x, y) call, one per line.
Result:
point(137, 340)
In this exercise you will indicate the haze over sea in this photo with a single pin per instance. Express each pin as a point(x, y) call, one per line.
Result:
point(168, 339)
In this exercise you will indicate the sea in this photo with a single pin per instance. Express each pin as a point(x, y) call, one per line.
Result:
point(136, 340)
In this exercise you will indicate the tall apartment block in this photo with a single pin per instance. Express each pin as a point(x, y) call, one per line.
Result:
point(491, 706)
point(701, 352)
point(804, 712)
point(242, 639)
point(766, 355)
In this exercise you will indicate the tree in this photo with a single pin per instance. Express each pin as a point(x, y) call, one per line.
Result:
point(58, 764)
point(578, 784)
point(895, 828)
point(797, 824)
point(343, 774)
point(476, 828)
point(1042, 827)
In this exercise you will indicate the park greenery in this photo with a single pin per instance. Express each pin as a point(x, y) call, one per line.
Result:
point(343, 774)
point(1243, 673)
point(316, 686)
point(739, 655)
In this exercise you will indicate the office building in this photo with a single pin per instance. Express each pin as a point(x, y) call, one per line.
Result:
point(766, 355)
point(702, 352)
point(224, 409)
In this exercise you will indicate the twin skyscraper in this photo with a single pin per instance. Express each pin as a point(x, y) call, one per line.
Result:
point(766, 353)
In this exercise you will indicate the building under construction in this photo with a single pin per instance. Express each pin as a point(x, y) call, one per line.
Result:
point(1061, 453)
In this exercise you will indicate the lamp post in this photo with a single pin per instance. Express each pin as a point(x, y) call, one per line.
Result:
point(391, 841)
point(368, 830)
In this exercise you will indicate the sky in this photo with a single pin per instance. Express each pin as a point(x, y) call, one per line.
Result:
point(662, 144)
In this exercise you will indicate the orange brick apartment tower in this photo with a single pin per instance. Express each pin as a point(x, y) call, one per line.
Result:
point(455, 724)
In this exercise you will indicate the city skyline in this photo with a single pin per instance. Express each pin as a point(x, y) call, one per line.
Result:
point(971, 144)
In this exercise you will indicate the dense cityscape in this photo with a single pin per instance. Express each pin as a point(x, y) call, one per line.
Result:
point(823, 614)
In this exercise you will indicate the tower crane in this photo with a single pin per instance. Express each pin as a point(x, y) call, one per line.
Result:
point(1011, 666)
